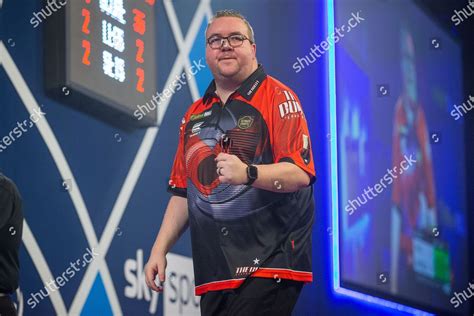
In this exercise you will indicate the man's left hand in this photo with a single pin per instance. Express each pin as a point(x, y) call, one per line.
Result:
point(231, 169)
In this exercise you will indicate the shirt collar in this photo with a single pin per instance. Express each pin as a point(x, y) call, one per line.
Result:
point(247, 89)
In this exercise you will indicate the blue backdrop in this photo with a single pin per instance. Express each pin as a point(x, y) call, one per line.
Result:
point(86, 184)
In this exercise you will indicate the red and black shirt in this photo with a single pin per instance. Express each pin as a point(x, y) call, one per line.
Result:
point(239, 231)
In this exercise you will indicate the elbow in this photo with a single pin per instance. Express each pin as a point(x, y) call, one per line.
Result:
point(299, 178)
point(302, 181)
point(305, 182)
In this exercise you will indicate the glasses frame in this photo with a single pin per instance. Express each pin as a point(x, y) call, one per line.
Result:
point(227, 38)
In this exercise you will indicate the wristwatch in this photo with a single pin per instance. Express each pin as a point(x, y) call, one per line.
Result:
point(252, 174)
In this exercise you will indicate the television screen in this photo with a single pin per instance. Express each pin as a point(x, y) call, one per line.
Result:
point(400, 147)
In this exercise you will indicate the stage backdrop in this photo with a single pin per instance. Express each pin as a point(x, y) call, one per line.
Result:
point(94, 193)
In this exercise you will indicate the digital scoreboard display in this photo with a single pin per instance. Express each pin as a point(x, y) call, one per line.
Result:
point(102, 55)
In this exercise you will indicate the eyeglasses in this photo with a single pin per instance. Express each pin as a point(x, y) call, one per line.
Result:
point(234, 40)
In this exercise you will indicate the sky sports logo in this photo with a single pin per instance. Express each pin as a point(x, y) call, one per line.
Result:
point(178, 292)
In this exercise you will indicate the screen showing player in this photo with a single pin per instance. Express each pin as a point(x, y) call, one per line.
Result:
point(401, 168)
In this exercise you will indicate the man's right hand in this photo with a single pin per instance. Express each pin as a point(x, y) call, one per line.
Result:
point(156, 265)
point(174, 224)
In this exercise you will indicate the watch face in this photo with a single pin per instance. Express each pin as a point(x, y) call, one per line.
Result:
point(253, 172)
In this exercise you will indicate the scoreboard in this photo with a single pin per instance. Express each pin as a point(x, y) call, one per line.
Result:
point(102, 55)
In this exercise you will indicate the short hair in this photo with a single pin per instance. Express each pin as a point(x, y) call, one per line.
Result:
point(233, 14)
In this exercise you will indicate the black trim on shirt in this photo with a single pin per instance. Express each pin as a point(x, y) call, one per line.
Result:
point(178, 191)
point(247, 90)
point(312, 179)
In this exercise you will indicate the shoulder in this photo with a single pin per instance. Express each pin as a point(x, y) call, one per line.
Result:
point(194, 108)
point(277, 88)
point(282, 99)
point(196, 105)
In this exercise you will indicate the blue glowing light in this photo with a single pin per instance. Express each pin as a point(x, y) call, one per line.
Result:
point(334, 188)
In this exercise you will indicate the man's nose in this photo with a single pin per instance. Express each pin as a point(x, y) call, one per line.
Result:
point(226, 46)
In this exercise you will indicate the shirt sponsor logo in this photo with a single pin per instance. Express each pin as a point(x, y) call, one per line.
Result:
point(290, 108)
point(196, 128)
point(253, 87)
point(245, 122)
point(200, 115)
point(245, 271)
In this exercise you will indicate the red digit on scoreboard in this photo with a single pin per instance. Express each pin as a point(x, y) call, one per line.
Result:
point(139, 23)
point(87, 18)
point(140, 48)
point(141, 80)
point(87, 51)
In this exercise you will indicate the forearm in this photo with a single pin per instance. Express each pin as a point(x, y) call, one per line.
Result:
point(175, 222)
point(281, 177)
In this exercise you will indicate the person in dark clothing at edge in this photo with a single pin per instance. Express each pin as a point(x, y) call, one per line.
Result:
point(11, 228)
point(242, 180)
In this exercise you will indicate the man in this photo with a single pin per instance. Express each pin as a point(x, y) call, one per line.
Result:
point(11, 227)
point(244, 170)
point(413, 197)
